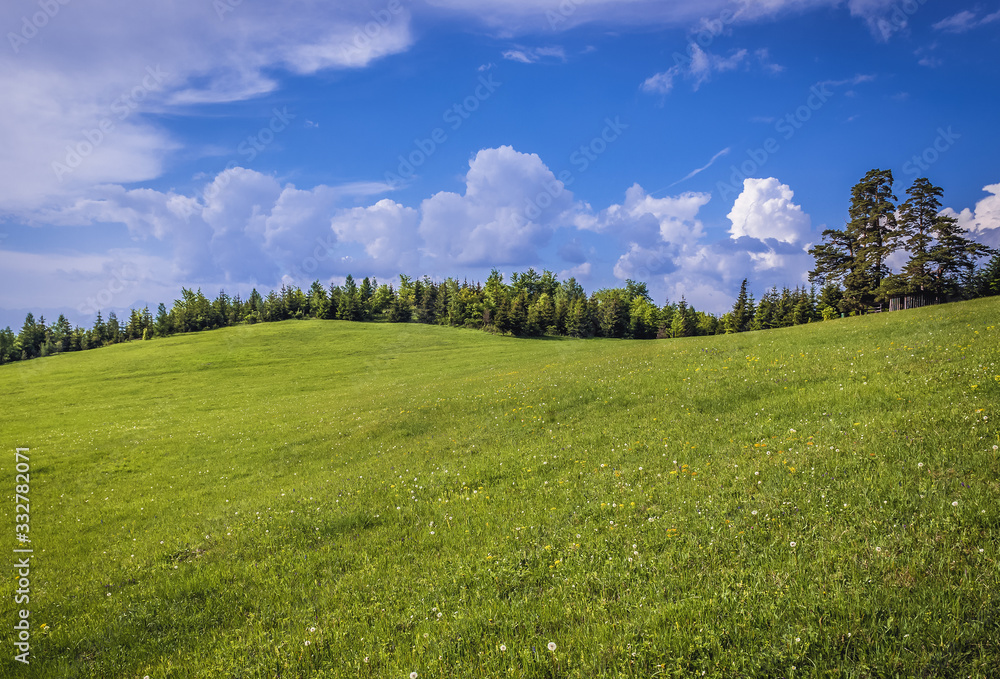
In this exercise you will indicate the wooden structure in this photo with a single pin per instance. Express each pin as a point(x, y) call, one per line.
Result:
point(901, 302)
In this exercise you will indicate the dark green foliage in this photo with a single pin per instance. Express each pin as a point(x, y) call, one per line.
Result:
point(743, 311)
point(988, 282)
point(856, 257)
point(942, 260)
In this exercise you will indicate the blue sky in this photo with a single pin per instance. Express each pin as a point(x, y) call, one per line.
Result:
point(232, 144)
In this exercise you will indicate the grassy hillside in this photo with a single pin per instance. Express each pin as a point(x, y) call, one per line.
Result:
point(325, 499)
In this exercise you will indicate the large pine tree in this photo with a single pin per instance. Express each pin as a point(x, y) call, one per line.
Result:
point(856, 257)
point(917, 219)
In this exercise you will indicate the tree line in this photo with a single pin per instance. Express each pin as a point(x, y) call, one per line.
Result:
point(531, 304)
point(850, 265)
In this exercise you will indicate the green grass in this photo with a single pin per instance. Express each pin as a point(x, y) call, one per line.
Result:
point(420, 499)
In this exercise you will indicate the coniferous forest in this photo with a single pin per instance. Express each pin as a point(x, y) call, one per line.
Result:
point(851, 277)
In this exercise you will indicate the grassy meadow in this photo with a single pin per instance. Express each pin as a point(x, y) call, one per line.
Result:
point(333, 499)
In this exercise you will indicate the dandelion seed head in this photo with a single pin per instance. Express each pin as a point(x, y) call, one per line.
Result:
point(552, 645)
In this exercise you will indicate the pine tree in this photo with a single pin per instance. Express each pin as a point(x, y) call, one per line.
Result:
point(742, 314)
point(680, 325)
point(7, 342)
point(519, 313)
point(62, 333)
point(163, 324)
point(954, 258)
point(29, 338)
point(917, 217)
point(989, 277)
point(856, 256)
point(98, 334)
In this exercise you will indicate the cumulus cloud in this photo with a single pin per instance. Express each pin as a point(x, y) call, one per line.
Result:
point(665, 243)
point(656, 232)
point(386, 230)
point(983, 222)
point(672, 219)
point(764, 210)
point(246, 227)
point(511, 206)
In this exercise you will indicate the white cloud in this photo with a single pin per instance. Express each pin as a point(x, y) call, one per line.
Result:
point(661, 83)
point(388, 232)
point(764, 210)
point(581, 272)
point(246, 227)
point(698, 66)
point(94, 72)
point(511, 207)
point(517, 55)
point(704, 64)
point(647, 220)
point(533, 55)
point(957, 23)
point(533, 16)
point(983, 222)
point(964, 21)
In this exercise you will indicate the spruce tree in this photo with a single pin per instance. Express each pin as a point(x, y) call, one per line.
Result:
point(742, 313)
point(917, 217)
point(856, 256)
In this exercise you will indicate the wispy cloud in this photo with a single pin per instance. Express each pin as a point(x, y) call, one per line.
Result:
point(964, 21)
point(661, 83)
point(533, 55)
point(723, 152)
point(698, 65)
